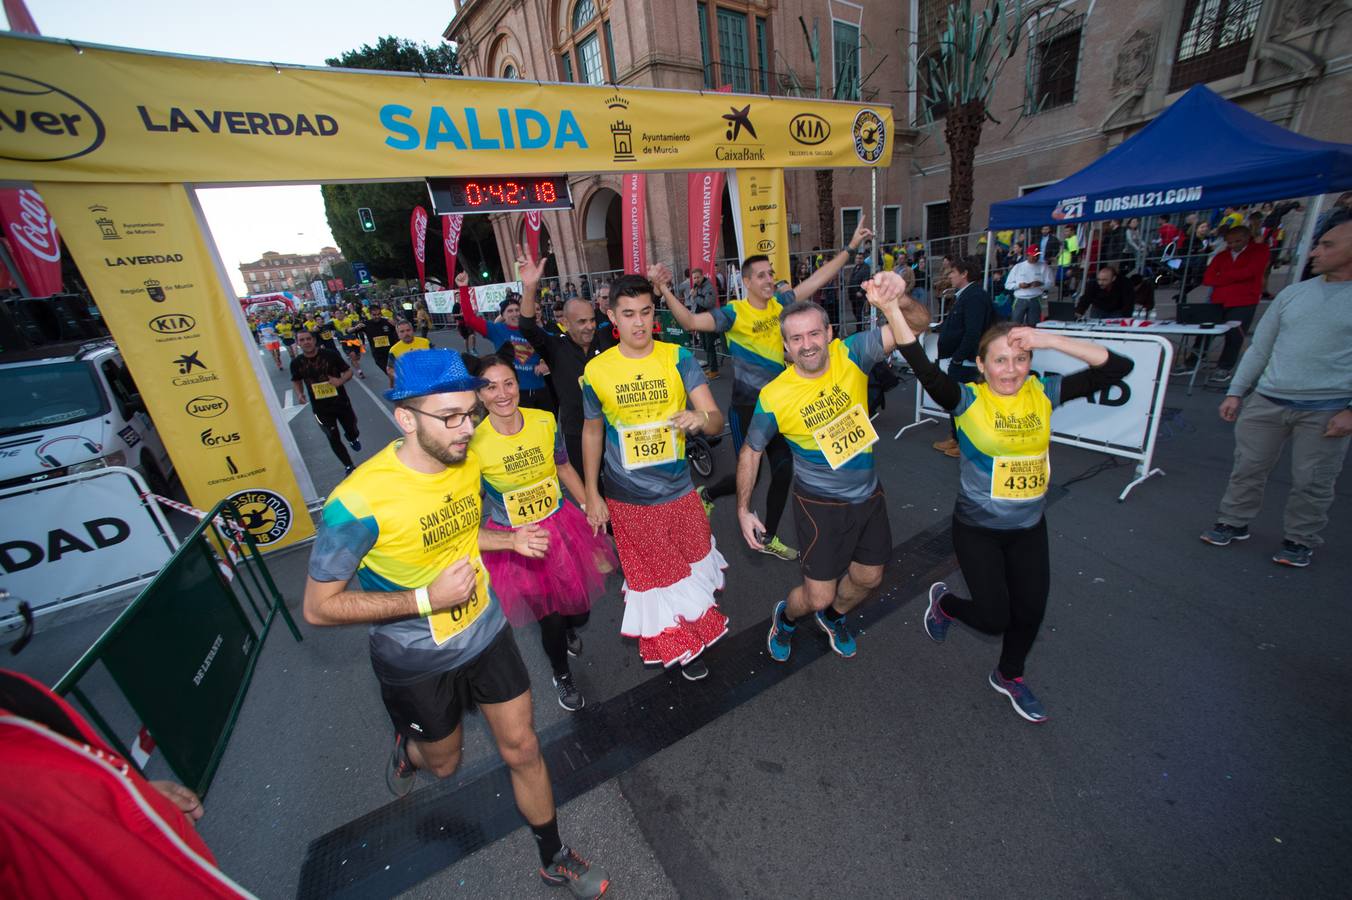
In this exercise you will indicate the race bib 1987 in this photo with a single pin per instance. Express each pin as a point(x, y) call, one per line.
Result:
point(647, 445)
point(323, 390)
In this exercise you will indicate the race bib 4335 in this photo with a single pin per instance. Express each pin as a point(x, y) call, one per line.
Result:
point(1019, 477)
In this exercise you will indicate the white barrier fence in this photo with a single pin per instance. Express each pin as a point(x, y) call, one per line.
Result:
point(1121, 421)
point(80, 538)
point(487, 297)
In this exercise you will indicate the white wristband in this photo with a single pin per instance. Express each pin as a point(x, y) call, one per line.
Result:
point(424, 602)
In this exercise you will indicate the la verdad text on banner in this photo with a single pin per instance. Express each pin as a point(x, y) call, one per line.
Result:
point(112, 115)
point(159, 292)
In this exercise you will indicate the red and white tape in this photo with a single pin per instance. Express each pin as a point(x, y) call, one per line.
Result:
point(233, 550)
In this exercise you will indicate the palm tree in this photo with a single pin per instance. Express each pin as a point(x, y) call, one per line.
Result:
point(958, 78)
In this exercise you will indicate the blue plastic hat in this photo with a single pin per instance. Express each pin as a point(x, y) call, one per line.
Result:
point(421, 372)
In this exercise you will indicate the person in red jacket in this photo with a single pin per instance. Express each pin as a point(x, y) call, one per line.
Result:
point(77, 821)
point(1236, 276)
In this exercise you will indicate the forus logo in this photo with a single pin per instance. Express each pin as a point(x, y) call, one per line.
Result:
point(1072, 208)
point(40, 122)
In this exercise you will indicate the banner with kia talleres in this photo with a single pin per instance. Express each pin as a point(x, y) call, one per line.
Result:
point(113, 115)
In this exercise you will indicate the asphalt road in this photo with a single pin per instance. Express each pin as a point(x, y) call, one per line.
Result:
point(1196, 746)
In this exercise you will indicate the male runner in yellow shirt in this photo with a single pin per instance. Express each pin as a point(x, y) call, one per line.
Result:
point(406, 524)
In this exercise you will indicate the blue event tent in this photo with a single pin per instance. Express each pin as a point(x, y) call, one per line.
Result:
point(1203, 152)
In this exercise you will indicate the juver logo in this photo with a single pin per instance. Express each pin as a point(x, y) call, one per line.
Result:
point(40, 122)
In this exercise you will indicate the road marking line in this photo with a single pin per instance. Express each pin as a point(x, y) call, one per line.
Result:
point(378, 400)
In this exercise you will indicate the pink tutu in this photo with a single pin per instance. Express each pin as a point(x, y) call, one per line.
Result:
point(565, 581)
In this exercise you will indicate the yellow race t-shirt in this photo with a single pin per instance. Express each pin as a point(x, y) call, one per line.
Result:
point(825, 421)
point(1004, 469)
point(397, 529)
point(644, 452)
point(399, 348)
point(520, 471)
point(754, 341)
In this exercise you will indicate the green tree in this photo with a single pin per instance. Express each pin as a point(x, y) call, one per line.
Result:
point(388, 251)
point(958, 78)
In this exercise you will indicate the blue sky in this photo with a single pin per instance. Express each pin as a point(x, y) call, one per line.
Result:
point(302, 33)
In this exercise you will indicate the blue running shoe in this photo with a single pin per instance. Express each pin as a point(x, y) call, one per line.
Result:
point(1020, 695)
point(936, 621)
point(1293, 554)
point(841, 640)
point(781, 633)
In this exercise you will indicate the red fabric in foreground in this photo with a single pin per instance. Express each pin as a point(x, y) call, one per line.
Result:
point(70, 827)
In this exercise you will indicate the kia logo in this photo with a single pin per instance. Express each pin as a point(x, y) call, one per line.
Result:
point(765, 246)
point(39, 122)
point(809, 128)
point(174, 323)
point(207, 407)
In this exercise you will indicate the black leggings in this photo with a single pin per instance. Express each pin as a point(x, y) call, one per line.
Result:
point(1009, 575)
point(780, 458)
point(330, 419)
point(554, 638)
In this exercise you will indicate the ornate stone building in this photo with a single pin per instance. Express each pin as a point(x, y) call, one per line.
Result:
point(1087, 76)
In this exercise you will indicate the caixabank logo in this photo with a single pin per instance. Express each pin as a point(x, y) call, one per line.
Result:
point(40, 122)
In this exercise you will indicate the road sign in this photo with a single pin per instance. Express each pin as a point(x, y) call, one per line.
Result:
point(363, 274)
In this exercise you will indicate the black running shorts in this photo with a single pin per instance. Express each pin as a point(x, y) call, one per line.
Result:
point(833, 534)
point(431, 709)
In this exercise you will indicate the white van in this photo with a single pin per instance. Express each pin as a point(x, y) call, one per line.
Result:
point(68, 412)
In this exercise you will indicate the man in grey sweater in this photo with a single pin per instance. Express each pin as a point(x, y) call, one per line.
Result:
point(1299, 365)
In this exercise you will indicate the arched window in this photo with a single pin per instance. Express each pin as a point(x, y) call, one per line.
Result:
point(583, 13)
point(588, 47)
point(509, 72)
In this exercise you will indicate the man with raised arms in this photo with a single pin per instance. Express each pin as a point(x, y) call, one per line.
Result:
point(820, 406)
point(752, 330)
point(566, 354)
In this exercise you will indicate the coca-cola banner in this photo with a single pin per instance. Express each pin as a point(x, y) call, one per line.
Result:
point(704, 219)
point(451, 226)
point(417, 225)
point(30, 235)
point(533, 233)
point(633, 196)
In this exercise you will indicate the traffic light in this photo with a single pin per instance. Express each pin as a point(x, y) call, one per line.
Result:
point(368, 221)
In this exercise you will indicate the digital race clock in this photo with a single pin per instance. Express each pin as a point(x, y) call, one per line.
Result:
point(499, 194)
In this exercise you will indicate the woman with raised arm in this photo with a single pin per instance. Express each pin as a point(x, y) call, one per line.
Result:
point(524, 462)
point(999, 532)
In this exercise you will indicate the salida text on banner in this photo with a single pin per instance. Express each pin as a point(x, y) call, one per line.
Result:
point(143, 257)
point(110, 115)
